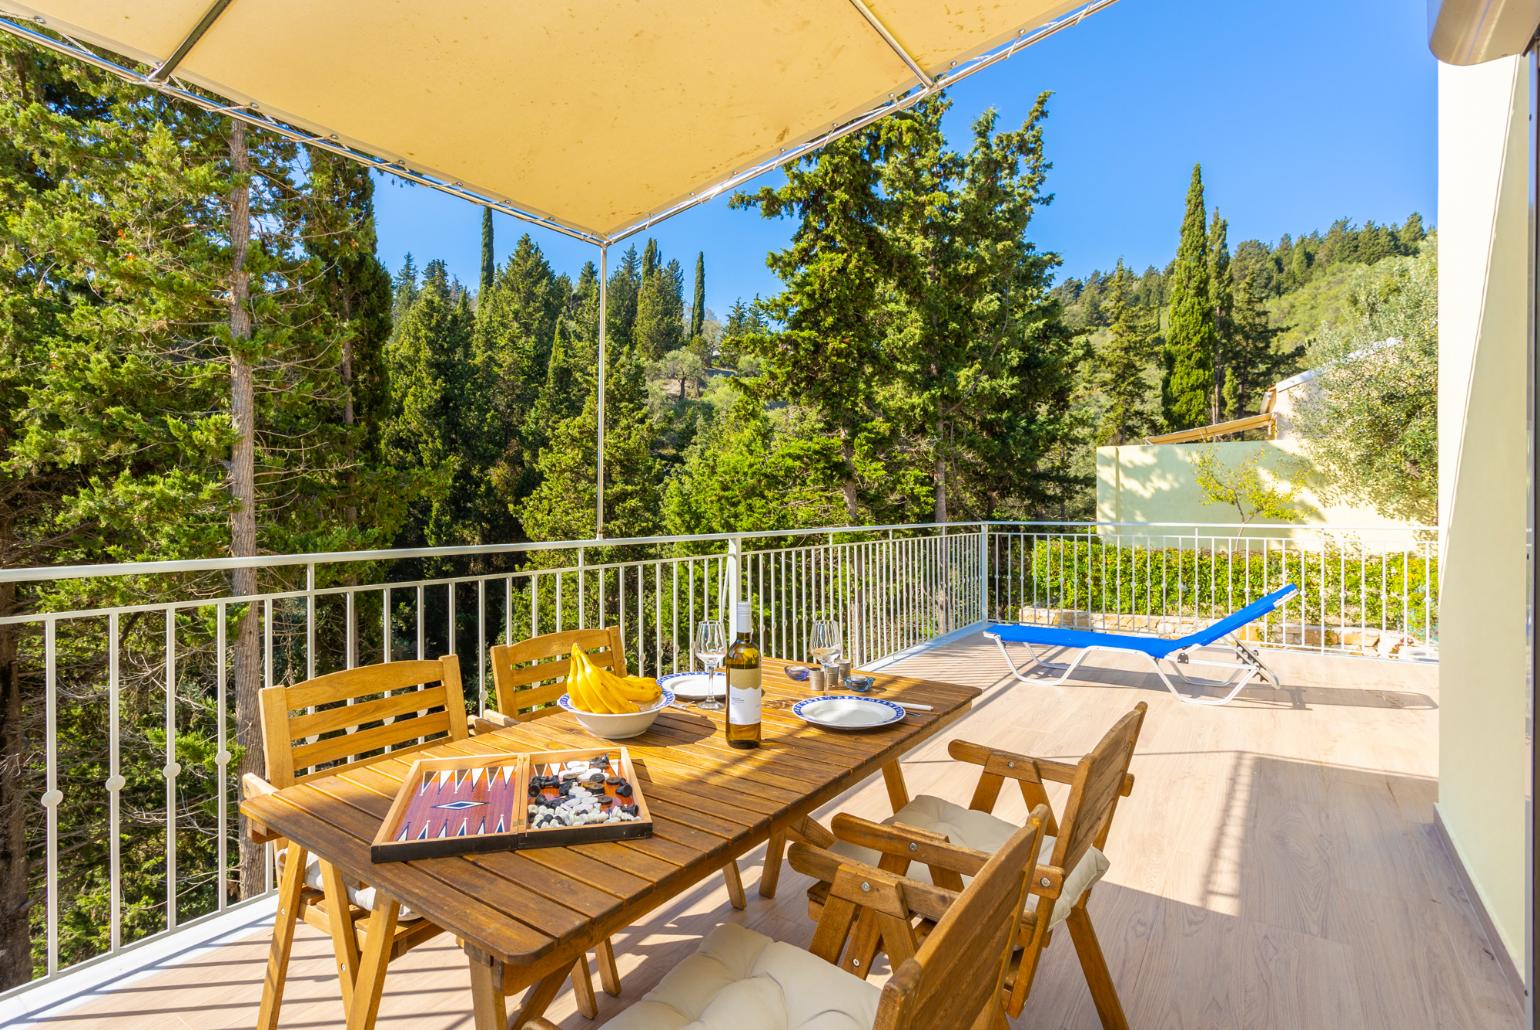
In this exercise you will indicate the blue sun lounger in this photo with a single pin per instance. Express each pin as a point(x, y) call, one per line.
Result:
point(1177, 651)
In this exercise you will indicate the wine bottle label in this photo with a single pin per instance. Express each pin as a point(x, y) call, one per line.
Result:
point(743, 697)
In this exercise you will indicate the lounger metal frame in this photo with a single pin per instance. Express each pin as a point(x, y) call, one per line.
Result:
point(1242, 672)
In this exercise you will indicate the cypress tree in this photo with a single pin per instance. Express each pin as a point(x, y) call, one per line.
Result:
point(488, 261)
point(1224, 309)
point(660, 319)
point(1191, 335)
point(698, 298)
point(1254, 360)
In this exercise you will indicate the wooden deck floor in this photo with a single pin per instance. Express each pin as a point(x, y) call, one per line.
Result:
point(1276, 867)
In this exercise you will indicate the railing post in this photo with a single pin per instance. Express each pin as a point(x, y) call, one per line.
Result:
point(310, 621)
point(983, 571)
point(734, 565)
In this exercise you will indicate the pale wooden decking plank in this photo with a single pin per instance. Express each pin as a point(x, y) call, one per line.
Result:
point(1275, 867)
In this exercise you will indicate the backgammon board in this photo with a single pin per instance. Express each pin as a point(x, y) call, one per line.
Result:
point(503, 802)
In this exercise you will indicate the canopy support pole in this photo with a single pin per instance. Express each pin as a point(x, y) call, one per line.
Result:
point(163, 70)
point(604, 289)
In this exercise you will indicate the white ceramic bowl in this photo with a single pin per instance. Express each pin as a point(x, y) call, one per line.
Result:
point(617, 727)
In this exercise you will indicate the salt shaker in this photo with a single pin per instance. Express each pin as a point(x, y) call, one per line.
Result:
point(815, 678)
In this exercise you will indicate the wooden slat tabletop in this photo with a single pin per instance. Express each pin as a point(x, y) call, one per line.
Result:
point(537, 910)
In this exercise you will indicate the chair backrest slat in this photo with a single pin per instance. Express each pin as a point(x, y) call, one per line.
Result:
point(1094, 794)
point(954, 979)
point(350, 717)
point(531, 674)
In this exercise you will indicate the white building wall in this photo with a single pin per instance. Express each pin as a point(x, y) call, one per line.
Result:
point(1483, 197)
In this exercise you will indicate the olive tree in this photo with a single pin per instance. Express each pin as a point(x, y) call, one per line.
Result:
point(1371, 419)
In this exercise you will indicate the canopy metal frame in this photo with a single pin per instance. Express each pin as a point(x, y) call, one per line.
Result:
point(162, 78)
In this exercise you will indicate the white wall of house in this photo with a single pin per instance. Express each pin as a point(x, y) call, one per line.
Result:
point(1159, 483)
point(1483, 192)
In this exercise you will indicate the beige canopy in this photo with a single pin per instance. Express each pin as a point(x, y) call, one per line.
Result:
point(595, 117)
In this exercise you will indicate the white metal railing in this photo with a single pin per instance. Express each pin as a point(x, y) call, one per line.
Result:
point(132, 666)
point(1369, 591)
point(127, 669)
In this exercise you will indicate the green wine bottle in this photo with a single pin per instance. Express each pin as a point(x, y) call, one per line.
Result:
point(744, 692)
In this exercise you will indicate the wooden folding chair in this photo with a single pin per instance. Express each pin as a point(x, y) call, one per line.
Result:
point(318, 728)
point(952, 978)
point(950, 843)
point(529, 676)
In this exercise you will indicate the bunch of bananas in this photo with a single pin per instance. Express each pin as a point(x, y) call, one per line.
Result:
point(593, 689)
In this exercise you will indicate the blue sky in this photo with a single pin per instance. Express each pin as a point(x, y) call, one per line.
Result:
point(1300, 112)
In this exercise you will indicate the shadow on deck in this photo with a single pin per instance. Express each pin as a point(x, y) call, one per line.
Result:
point(1276, 866)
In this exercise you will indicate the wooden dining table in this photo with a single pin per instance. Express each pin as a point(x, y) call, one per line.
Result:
point(524, 917)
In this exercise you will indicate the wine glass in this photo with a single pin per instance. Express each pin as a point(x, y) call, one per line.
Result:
point(710, 648)
point(825, 643)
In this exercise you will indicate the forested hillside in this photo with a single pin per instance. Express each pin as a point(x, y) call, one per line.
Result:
point(201, 356)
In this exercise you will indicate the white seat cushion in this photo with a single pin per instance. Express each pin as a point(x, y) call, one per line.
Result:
point(741, 980)
point(981, 832)
point(363, 897)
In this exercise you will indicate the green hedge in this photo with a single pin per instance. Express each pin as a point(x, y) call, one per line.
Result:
point(1339, 586)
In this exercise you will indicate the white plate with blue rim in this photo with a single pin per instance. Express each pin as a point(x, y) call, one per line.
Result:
point(692, 686)
point(847, 712)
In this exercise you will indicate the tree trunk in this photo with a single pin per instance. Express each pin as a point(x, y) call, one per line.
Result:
point(848, 481)
point(349, 416)
point(938, 475)
point(15, 901)
point(247, 666)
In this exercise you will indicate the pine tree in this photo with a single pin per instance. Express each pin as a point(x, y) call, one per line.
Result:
point(431, 432)
point(1191, 335)
point(488, 259)
point(978, 347)
point(698, 298)
point(650, 258)
point(574, 352)
point(743, 320)
point(511, 349)
point(95, 464)
point(1123, 364)
point(562, 506)
point(755, 469)
point(172, 397)
point(826, 353)
point(1298, 272)
point(340, 234)
point(625, 282)
point(403, 289)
